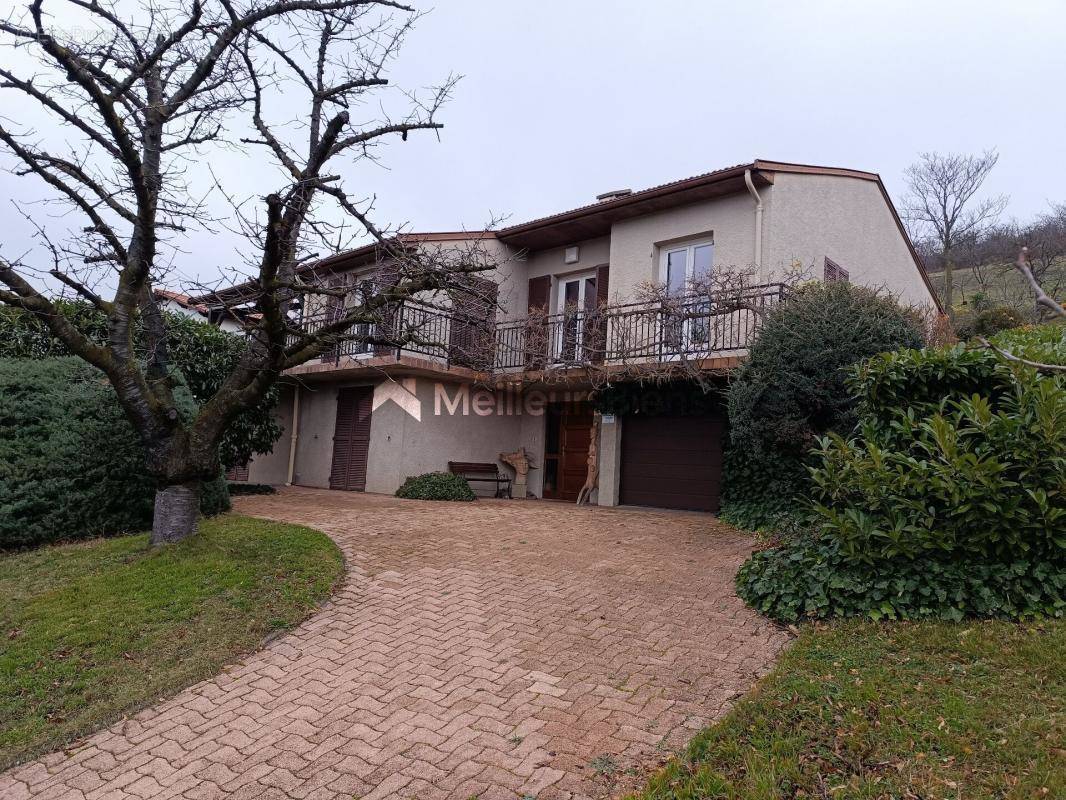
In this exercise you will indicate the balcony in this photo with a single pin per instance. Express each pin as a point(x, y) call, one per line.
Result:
point(685, 330)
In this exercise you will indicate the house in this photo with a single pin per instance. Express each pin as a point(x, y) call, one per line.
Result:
point(229, 320)
point(366, 417)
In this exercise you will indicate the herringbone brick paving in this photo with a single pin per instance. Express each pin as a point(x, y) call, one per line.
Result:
point(490, 649)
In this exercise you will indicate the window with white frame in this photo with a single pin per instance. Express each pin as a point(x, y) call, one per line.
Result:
point(685, 265)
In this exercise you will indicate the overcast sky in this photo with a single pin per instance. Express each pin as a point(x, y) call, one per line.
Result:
point(564, 100)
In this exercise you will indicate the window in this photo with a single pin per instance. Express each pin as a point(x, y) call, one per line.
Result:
point(687, 264)
point(834, 272)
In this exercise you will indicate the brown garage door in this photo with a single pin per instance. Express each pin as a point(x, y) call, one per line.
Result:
point(672, 462)
point(351, 440)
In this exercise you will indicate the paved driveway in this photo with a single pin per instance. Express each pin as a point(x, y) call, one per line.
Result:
point(501, 649)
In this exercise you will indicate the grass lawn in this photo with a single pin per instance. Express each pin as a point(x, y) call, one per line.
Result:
point(902, 711)
point(95, 630)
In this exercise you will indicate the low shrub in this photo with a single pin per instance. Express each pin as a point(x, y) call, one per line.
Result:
point(791, 390)
point(989, 321)
point(251, 488)
point(813, 576)
point(436, 486)
point(71, 465)
point(950, 501)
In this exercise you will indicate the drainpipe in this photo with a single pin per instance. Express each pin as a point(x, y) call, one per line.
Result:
point(758, 221)
point(294, 435)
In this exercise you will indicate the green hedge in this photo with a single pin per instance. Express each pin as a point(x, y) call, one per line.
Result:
point(951, 501)
point(791, 389)
point(203, 354)
point(71, 465)
point(436, 486)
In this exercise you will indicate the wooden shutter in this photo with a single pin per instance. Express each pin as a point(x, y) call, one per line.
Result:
point(351, 439)
point(473, 320)
point(834, 272)
point(537, 337)
point(386, 277)
point(598, 324)
point(237, 473)
point(539, 293)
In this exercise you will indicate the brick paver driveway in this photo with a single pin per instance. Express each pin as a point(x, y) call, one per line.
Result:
point(498, 649)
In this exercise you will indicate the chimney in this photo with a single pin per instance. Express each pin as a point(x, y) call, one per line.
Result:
point(614, 194)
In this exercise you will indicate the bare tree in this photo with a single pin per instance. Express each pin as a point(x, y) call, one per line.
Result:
point(1044, 302)
point(295, 86)
point(942, 203)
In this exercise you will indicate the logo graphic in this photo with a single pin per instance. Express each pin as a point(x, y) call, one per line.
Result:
point(402, 394)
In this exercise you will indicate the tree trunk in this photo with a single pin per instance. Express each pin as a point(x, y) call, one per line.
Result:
point(949, 288)
point(177, 509)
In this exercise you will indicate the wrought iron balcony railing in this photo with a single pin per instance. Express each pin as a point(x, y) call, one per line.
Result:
point(651, 332)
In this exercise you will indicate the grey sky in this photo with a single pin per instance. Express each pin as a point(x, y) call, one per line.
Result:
point(563, 100)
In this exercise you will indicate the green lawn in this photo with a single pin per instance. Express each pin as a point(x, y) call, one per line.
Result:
point(95, 630)
point(901, 711)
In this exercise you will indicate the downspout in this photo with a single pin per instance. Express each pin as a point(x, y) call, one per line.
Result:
point(758, 221)
point(293, 437)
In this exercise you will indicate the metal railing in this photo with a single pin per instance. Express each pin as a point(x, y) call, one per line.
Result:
point(668, 330)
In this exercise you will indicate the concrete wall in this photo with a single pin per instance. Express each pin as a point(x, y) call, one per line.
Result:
point(636, 243)
point(591, 254)
point(847, 220)
point(314, 443)
point(273, 468)
point(402, 446)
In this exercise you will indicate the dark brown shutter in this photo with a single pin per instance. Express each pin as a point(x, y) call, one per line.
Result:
point(473, 320)
point(537, 338)
point(598, 327)
point(237, 473)
point(386, 277)
point(539, 293)
point(351, 439)
point(333, 312)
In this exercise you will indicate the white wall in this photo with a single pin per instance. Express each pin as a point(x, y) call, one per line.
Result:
point(847, 220)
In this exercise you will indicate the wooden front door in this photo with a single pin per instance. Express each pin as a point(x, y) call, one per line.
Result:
point(568, 431)
point(351, 439)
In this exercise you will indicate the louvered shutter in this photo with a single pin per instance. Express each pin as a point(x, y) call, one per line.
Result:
point(351, 440)
point(537, 343)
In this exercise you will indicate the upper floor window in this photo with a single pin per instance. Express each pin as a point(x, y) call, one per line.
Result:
point(834, 272)
point(686, 265)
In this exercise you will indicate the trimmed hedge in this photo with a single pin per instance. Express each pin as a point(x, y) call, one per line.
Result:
point(436, 486)
point(203, 354)
point(951, 502)
point(791, 390)
point(814, 577)
point(71, 465)
point(251, 488)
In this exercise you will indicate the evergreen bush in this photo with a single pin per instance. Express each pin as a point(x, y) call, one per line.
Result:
point(950, 501)
point(791, 390)
point(71, 465)
point(436, 486)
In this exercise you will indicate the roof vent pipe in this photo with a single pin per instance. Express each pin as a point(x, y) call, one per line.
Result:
point(758, 221)
point(614, 194)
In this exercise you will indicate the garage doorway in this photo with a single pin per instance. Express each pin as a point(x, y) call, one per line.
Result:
point(351, 438)
point(672, 461)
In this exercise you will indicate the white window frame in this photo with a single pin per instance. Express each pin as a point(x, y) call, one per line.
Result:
point(577, 313)
point(689, 248)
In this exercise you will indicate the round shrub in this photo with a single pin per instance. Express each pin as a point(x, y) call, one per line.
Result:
point(71, 465)
point(436, 486)
point(989, 322)
point(791, 389)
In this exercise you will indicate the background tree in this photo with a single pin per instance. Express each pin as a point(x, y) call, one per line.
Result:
point(941, 204)
point(147, 92)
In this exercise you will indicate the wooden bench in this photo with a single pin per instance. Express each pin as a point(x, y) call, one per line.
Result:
point(489, 473)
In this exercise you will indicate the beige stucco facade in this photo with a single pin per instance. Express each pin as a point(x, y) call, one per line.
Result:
point(807, 215)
